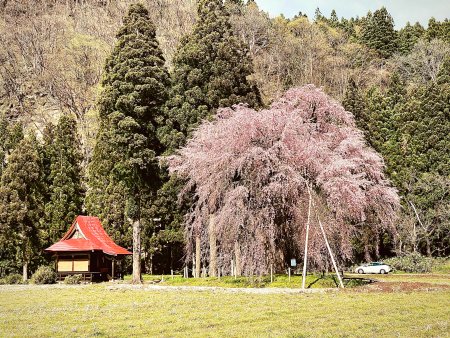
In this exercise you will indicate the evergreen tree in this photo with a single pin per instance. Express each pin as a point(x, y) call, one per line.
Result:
point(408, 37)
point(318, 16)
point(411, 130)
point(21, 203)
point(334, 20)
point(211, 70)
point(10, 136)
point(62, 160)
point(376, 115)
point(354, 103)
point(124, 171)
point(3, 142)
point(438, 30)
point(383, 109)
point(379, 34)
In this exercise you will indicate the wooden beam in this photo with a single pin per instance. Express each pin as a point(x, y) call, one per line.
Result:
point(305, 258)
point(330, 252)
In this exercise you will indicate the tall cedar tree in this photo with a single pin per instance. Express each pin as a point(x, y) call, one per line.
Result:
point(411, 130)
point(408, 37)
point(376, 115)
point(62, 157)
point(3, 141)
point(379, 34)
point(10, 135)
point(211, 70)
point(21, 203)
point(354, 103)
point(438, 30)
point(124, 171)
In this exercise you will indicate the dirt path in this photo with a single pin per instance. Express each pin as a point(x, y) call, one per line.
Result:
point(167, 288)
point(378, 286)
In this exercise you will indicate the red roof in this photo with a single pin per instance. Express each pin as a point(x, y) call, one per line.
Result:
point(91, 237)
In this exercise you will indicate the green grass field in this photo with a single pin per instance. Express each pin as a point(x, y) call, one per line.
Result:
point(98, 311)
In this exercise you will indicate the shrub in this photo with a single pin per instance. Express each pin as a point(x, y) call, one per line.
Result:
point(442, 265)
point(14, 278)
point(44, 275)
point(2, 281)
point(73, 279)
point(413, 262)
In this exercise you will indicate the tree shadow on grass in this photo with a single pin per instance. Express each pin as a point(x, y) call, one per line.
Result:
point(332, 280)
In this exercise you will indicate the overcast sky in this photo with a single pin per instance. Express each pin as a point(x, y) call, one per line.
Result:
point(401, 10)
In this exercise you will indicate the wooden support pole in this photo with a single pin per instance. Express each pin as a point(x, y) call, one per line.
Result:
point(113, 269)
point(271, 273)
point(330, 252)
point(305, 258)
point(171, 273)
point(289, 272)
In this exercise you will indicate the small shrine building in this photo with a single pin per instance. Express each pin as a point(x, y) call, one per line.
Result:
point(86, 249)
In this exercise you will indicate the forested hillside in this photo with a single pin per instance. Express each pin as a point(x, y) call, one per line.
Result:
point(86, 114)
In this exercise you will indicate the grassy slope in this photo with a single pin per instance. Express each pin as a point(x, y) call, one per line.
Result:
point(95, 311)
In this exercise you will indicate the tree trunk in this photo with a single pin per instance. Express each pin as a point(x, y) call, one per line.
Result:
point(428, 242)
point(366, 240)
point(377, 246)
point(136, 252)
point(24, 259)
point(212, 247)
point(237, 253)
point(25, 271)
point(150, 263)
point(197, 256)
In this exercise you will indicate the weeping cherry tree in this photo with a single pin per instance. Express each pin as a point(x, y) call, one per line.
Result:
point(261, 179)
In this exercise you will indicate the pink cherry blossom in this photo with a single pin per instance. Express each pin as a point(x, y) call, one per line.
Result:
point(251, 170)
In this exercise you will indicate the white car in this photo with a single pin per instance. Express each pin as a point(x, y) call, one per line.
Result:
point(374, 267)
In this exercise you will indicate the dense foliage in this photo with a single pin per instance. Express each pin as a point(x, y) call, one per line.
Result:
point(413, 262)
point(124, 174)
point(21, 204)
point(63, 157)
point(253, 173)
point(211, 70)
point(378, 32)
point(52, 56)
